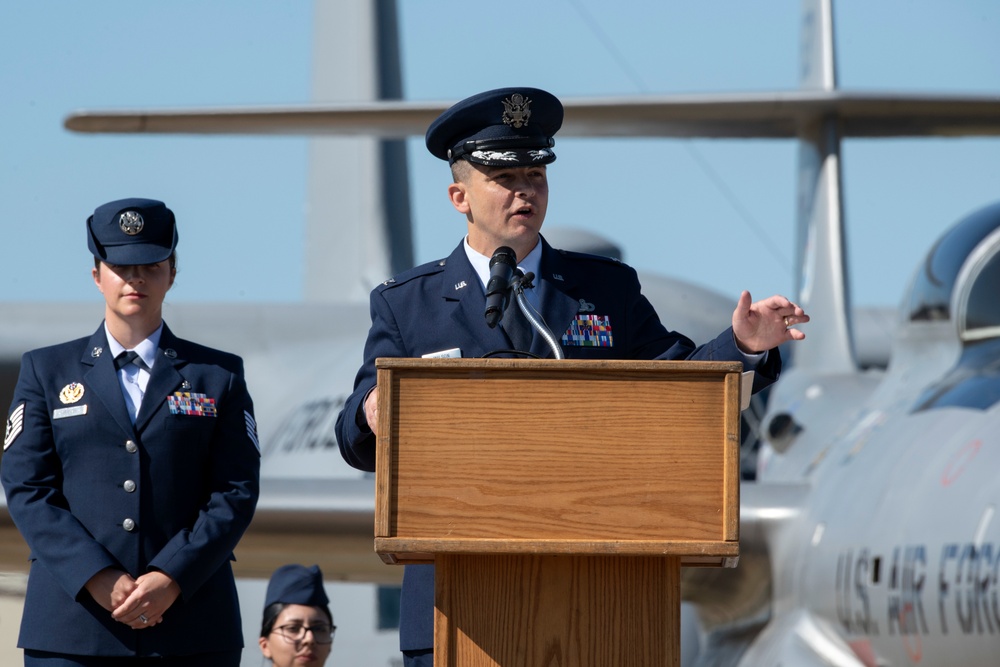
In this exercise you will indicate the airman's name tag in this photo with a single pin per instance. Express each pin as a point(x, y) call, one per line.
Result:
point(74, 411)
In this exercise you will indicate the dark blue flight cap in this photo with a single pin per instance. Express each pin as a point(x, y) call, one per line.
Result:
point(296, 584)
point(504, 127)
point(132, 231)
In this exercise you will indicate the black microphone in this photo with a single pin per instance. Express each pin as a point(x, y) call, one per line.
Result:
point(502, 266)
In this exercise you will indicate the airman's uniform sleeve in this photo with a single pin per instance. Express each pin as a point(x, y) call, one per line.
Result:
point(32, 475)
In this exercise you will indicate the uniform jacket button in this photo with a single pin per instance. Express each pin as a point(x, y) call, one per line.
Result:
point(131, 447)
point(128, 525)
point(129, 486)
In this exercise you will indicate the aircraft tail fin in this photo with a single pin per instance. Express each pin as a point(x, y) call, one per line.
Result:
point(821, 260)
point(358, 230)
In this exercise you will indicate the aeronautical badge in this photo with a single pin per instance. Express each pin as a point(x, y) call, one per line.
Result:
point(15, 424)
point(516, 110)
point(251, 429)
point(71, 393)
point(131, 222)
point(196, 405)
point(589, 331)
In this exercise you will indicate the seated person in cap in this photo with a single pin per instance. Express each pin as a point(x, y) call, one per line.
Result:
point(499, 144)
point(297, 628)
point(131, 469)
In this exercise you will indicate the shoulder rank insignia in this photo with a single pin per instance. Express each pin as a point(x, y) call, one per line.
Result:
point(71, 393)
point(15, 424)
point(251, 429)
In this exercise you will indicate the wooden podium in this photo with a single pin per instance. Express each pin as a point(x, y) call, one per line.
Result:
point(558, 500)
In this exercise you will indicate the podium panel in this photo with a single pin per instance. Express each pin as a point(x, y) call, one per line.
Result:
point(492, 456)
point(567, 610)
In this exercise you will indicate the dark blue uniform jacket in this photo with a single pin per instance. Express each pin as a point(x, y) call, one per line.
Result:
point(88, 490)
point(441, 305)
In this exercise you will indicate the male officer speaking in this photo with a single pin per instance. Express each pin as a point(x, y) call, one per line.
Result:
point(499, 144)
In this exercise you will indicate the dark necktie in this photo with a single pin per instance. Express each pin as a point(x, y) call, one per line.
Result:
point(517, 327)
point(129, 357)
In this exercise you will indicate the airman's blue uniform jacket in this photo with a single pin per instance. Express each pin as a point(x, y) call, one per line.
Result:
point(441, 305)
point(88, 490)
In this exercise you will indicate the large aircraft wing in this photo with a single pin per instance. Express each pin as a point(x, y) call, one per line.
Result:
point(779, 115)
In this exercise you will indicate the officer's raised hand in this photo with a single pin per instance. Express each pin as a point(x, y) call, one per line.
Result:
point(766, 324)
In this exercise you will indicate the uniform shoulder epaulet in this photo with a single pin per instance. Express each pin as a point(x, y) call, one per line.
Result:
point(585, 256)
point(430, 268)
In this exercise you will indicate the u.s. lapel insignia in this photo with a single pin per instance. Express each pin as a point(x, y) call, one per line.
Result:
point(586, 306)
point(516, 110)
point(71, 393)
point(460, 285)
point(96, 352)
point(15, 424)
point(589, 331)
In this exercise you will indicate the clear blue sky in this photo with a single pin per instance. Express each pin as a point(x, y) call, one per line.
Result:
point(241, 201)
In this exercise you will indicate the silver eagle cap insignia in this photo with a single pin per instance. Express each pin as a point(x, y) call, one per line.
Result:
point(131, 222)
point(516, 110)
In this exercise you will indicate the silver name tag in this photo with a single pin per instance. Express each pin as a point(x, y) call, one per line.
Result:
point(69, 412)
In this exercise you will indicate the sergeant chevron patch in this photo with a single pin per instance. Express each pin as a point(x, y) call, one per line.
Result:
point(252, 429)
point(15, 424)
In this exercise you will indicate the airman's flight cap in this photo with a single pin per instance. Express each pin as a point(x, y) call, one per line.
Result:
point(132, 231)
point(503, 127)
point(296, 584)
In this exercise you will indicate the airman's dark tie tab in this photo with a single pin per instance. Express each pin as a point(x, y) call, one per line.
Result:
point(517, 327)
point(134, 231)
point(129, 357)
point(511, 127)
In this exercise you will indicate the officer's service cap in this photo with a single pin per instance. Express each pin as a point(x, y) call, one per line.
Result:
point(132, 231)
point(504, 127)
point(296, 584)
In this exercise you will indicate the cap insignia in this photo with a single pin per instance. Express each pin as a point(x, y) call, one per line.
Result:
point(131, 222)
point(71, 393)
point(516, 110)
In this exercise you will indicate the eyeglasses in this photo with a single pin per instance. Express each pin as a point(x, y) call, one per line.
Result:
point(296, 632)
